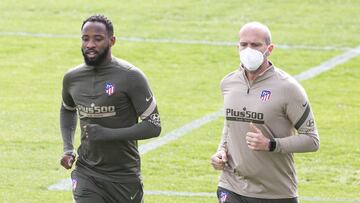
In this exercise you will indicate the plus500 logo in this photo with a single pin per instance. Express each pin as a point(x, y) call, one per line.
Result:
point(244, 114)
point(96, 111)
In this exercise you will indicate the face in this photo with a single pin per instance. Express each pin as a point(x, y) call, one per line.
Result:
point(255, 39)
point(96, 43)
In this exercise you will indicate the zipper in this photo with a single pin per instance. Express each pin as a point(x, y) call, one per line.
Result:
point(247, 82)
point(93, 84)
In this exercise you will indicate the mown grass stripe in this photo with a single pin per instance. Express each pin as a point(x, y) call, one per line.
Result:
point(329, 64)
point(177, 133)
point(212, 194)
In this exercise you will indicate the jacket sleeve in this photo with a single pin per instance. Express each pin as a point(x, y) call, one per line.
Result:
point(68, 118)
point(300, 114)
point(223, 142)
point(68, 121)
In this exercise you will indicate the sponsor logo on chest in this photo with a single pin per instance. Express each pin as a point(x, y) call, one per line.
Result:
point(244, 116)
point(94, 111)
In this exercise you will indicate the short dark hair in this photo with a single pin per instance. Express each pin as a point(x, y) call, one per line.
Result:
point(101, 19)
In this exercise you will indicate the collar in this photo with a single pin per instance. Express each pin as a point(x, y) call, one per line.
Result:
point(268, 72)
point(109, 64)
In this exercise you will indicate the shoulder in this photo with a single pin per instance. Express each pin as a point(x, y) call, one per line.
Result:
point(231, 77)
point(122, 64)
point(136, 77)
point(133, 75)
point(127, 67)
point(289, 83)
point(74, 71)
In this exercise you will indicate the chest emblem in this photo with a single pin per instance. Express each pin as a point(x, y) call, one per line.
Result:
point(109, 88)
point(265, 95)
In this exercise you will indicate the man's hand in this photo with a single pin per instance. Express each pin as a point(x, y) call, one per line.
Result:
point(67, 161)
point(219, 160)
point(256, 140)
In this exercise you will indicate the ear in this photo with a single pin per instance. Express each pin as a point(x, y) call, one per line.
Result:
point(112, 40)
point(238, 47)
point(270, 48)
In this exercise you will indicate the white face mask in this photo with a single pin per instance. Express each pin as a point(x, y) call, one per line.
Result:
point(251, 59)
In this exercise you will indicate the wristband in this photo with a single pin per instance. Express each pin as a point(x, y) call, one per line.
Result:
point(272, 144)
point(70, 153)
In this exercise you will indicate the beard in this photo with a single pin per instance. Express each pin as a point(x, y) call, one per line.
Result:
point(100, 58)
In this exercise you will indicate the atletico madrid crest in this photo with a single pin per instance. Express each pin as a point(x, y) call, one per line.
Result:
point(109, 89)
point(265, 95)
point(224, 196)
point(74, 183)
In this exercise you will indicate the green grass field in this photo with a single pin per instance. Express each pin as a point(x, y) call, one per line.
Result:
point(185, 80)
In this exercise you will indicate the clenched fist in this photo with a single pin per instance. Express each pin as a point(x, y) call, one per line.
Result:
point(219, 160)
point(67, 161)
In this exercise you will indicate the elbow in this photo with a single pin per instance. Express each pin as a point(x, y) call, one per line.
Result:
point(316, 145)
point(154, 130)
point(157, 131)
point(148, 129)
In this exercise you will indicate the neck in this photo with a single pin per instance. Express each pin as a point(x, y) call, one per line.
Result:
point(107, 60)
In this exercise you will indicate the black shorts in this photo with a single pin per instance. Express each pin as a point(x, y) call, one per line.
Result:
point(226, 196)
point(89, 189)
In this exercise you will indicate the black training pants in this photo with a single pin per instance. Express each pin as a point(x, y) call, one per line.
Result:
point(227, 196)
point(89, 189)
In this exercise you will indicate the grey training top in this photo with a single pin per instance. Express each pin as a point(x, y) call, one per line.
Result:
point(113, 96)
point(278, 106)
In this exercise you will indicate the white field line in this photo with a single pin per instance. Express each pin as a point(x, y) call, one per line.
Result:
point(175, 41)
point(65, 184)
point(213, 194)
point(329, 64)
point(177, 133)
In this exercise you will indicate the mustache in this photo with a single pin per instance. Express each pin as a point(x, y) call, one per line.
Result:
point(86, 51)
point(101, 55)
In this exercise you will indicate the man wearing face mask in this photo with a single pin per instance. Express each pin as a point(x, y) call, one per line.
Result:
point(267, 118)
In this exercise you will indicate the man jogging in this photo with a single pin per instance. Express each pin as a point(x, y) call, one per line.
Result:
point(109, 95)
point(268, 117)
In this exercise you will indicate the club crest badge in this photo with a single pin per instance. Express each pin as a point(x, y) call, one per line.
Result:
point(265, 95)
point(224, 195)
point(74, 184)
point(109, 89)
